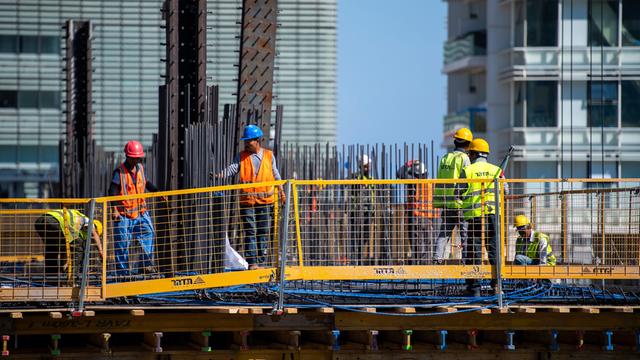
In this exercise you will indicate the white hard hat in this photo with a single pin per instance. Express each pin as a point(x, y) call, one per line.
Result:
point(364, 160)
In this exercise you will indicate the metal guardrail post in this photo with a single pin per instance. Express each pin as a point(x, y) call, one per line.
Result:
point(498, 240)
point(86, 255)
point(284, 237)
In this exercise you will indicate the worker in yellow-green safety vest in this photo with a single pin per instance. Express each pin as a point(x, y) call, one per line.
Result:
point(478, 208)
point(63, 232)
point(532, 247)
point(450, 167)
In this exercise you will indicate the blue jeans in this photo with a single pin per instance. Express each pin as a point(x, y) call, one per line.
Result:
point(124, 231)
point(256, 225)
point(524, 260)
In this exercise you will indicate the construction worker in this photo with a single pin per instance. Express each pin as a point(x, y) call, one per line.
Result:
point(450, 167)
point(131, 217)
point(532, 247)
point(362, 201)
point(478, 208)
point(63, 232)
point(420, 213)
point(255, 164)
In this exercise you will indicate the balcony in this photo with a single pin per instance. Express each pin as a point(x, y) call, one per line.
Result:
point(522, 62)
point(465, 53)
point(475, 119)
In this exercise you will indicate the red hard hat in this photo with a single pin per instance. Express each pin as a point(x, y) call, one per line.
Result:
point(134, 149)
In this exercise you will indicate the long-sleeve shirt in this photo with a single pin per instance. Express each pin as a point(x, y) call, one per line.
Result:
point(114, 188)
point(543, 248)
point(256, 158)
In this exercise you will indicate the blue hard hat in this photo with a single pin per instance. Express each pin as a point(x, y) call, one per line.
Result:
point(251, 132)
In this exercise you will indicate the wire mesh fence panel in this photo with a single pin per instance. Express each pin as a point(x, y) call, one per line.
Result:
point(375, 229)
point(192, 239)
point(42, 244)
point(578, 228)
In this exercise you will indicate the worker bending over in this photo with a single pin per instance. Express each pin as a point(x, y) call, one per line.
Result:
point(479, 208)
point(532, 247)
point(255, 164)
point(63, 232)
point(450, 167)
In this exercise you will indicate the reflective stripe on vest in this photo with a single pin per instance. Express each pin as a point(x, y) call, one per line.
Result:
point(450, 167)
point(131, 208)
point(479, 198)
point(422, 201)
point(71, 222)
point(532, 249)
point(257, 195)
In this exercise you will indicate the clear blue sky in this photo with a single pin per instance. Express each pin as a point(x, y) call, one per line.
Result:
point(390, 88)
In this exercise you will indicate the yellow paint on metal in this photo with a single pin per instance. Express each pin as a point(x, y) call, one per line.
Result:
point(192, 282)
point(296, 213)
point(383, 272)
point(22, 258)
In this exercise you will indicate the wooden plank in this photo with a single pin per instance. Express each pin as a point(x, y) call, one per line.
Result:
point(15, 315)
point(136, 312)
point(622, 309)
point(55, 315)
point(290, 310)
point(525, 309)
point(560, 309)
point(405, 310)
point(369, 309)
point(89, 313)
point(445, 309)
point(256, 310)
point(325, 310)
point(503, 310)
point(223, 310)
point(589, 310)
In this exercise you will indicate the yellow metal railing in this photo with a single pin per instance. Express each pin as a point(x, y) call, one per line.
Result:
point(336, 230)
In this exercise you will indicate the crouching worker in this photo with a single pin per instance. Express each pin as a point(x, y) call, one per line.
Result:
point(63, 232)
point(532, 247)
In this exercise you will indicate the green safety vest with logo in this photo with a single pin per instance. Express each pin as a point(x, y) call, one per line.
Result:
point(450, 167)
point(530, 249)
point(479, 198)
point(71, 223)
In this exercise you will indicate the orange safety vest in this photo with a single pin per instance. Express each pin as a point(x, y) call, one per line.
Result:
point(257, 195)
point(133, 207)
point(422, 202)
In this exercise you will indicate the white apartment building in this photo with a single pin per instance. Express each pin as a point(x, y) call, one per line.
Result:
point(558, 79)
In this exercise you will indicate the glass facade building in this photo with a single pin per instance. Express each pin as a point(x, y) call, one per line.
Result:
point(562, 82)
point(127, 50)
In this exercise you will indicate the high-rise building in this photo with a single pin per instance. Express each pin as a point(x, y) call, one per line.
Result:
point(558, 79)
point(127, 49)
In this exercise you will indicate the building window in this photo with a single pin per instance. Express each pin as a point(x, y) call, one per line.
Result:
point(630, 103)
point(541, 103)
point(49, 45)
point(602, 102)
point(542, 22)
point(603, 23)
point(8, 44)
point(29, 44)
point(49, 99)
point(28, 99)
point(630, 23)
point(8, 98)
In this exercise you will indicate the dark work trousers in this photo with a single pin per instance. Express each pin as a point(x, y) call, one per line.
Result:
point(55, 252)
point(256, 225)
point(360, 222)
point(473, 250)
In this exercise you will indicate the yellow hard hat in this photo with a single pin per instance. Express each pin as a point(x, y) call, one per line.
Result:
point(463, 134)
point(98, 225)
point(479, 145)
point(521, 220)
